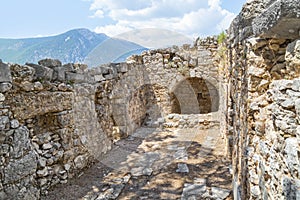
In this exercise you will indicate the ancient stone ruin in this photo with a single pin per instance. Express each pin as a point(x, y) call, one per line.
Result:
point(56, 120)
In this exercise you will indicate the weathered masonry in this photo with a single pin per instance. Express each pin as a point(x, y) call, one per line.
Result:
point(264, 100)
point(56, 119)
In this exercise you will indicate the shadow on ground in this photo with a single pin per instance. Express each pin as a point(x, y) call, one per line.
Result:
point(156, 164)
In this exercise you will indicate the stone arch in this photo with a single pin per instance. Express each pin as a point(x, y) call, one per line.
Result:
point(136, 101)
point(142, 106)
point(194, 95)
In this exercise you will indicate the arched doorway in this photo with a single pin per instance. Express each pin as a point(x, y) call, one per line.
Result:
point(194, 96)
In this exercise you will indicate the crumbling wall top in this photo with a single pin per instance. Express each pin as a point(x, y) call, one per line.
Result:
point(266, 19)
point(281, 19)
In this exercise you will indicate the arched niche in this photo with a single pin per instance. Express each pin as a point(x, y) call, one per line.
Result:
point(194, 96)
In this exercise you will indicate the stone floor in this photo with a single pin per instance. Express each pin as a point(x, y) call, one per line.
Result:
point(156, 164)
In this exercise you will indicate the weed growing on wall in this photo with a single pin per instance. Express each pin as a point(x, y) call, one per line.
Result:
point(222, 50)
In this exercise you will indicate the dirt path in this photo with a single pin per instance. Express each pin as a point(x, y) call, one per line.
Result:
point(155, 164)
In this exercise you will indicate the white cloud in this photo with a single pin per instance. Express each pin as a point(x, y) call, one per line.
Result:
point(155, 38)
point(189, 17)
point(98, 14)
point(119, 4)
point(113, 30)
point(225, 22)
point(214, 3)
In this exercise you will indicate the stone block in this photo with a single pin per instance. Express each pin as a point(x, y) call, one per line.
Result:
point(255, 191)
point(288, 104)
point(42, 172)
point(113, 70)
point(34, 104)
point(291, 160)
point(122, 68)
point(81, 161)
point(69, 67)
point(5, 73)
point(51, 63)
point(255, 71)
point(80, 68)
point(120, 120)
point(104, 69)
point(19, 169)
point(292, 55)
point(89, 79)
point(4, 120)
point(282, 84)
point(182, 168)
point(59, 74)
point(74, 77)
point(96, 71)
point(2, 97)
point(296, 85)
point(280, 20)
point(20, 142)
point(220, 193)
point(193, 191)
point(4, 87)
point(99, 78)
point(108, 76)
point(41, 72)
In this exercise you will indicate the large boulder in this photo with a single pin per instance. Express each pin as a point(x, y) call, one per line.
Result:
point(50, 63)
point(281, 19)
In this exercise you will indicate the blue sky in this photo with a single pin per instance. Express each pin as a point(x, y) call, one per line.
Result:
point(33, 18)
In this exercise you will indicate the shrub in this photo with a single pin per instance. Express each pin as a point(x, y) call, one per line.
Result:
point(221, 37)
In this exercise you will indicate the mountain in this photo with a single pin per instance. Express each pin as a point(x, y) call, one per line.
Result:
point(112, 50)
point(70, 47)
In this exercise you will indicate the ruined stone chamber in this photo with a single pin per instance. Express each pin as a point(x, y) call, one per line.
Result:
point(56, 120)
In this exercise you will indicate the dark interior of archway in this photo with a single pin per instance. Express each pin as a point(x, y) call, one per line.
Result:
point(202, 92)
point(175, 105)
point(206, 93)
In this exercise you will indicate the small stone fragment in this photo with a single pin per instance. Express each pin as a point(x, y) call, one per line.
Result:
point(42, 172)
point(2, 97)
point(47, 146)
point(182, 168)
point(220, 193)
point(14, 123)
point(147, 171)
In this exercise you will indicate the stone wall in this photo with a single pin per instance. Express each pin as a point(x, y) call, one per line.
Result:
point(49, 127)
point(263, 100)
point(156, 75)
point(55, 119)
point(200, 121)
